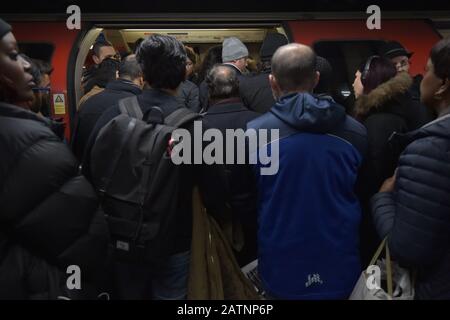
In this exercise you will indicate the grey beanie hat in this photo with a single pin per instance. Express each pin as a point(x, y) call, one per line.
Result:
point(233, 49)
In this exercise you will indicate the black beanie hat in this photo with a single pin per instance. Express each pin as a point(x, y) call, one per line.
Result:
point(325, 69)
point(271, 43)
point(4, 28)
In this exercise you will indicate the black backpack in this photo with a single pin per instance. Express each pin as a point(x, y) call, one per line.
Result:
point(137, 180)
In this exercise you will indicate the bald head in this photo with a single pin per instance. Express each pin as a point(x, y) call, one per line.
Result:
point(294, 68)
point(222, 82)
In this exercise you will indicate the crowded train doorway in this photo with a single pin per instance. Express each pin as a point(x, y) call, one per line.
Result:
point(200, 39)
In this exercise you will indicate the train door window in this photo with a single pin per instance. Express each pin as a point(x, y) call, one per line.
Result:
point(345, 57)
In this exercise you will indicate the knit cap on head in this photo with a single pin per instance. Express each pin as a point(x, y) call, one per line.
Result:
point(270, 44)
point(4, 28)
point(233, 49)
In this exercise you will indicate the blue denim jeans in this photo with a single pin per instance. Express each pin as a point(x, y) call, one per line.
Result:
point(166, 279)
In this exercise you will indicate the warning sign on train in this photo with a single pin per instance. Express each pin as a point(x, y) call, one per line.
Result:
point(59, 103)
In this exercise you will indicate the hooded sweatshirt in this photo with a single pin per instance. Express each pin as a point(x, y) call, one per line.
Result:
point(308, 213)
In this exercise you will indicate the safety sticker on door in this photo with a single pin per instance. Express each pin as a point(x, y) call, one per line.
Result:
point(59, 104)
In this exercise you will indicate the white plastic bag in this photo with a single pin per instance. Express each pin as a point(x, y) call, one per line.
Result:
point(399, 283)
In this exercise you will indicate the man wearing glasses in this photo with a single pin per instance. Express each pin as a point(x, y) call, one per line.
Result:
point(400, 57)
point(397, 54)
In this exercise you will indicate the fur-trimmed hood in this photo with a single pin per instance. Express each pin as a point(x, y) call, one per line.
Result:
point(382, 94)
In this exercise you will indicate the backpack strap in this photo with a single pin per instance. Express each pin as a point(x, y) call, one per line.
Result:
point(106, 180)
point(130, 106)
point(180, 117)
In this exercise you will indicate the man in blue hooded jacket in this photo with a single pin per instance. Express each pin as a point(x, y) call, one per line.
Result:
point(309, 215)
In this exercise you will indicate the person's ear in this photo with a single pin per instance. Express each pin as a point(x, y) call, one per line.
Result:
point(96, 59)
point(443, 90)
point(274, 86)
point(316, 79)
point(273, 82)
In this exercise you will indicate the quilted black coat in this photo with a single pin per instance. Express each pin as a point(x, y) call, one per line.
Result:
point(49, 217)
point(416, 217)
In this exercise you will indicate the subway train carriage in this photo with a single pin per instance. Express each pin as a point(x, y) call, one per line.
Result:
point(341, 38)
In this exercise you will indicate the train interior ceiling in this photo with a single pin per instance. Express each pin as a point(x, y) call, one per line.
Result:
point(199, 39)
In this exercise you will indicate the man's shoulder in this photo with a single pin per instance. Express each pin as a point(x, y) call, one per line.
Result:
point(354, 133)
point(110, 92)
point(16, 121)
point(23, 131)
point(232, 66)
point(246, 80)
point(108, 115)
point(189, 84)
point(351, 124)
point(99, 102)
point(265, 121)
point(188, 88)
point(249, 114)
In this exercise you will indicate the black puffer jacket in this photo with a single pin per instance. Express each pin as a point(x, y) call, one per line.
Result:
point(416, 217)
point(48, 213)
point(387, 109)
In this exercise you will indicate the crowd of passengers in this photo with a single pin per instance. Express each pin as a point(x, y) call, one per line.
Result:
point(348, 177)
